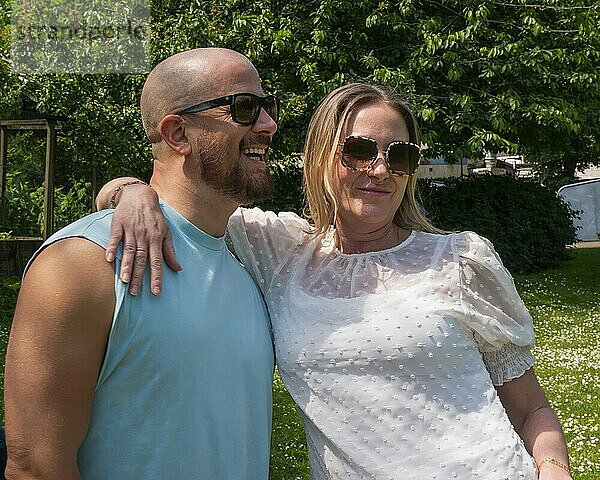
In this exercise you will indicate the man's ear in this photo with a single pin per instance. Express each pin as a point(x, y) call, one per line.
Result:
point(172, 131)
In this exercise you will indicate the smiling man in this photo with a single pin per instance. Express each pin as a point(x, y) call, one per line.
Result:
point(101, 384)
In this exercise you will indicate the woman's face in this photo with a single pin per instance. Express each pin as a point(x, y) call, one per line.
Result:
point(367, 200)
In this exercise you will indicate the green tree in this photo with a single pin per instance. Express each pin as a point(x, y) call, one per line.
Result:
point(481, 75)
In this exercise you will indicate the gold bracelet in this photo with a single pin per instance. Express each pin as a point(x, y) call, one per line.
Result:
point(554, 461)
point(113, 199)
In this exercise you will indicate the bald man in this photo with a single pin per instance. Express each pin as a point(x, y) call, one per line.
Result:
point(104, 385)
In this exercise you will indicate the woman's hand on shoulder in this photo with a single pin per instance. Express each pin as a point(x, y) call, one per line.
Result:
point(139, 223)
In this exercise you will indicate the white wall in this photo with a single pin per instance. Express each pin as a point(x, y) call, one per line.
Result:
point(441, 171)
point(589, 173)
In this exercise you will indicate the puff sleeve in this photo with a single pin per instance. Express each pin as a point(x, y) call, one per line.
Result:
point(494, 311)
point(265, 241)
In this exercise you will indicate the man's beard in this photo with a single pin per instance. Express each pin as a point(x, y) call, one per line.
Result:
point(235, 179)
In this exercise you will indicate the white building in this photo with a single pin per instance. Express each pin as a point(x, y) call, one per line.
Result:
point(589, 173)
point(438, 168)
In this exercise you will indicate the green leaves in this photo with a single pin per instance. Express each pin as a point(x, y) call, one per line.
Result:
point(491, 75)
point(428, 114)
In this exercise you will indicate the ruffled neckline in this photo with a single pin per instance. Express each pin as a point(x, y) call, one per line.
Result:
point(329, 243)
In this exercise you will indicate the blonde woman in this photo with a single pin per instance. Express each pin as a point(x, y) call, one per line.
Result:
point(406, 349)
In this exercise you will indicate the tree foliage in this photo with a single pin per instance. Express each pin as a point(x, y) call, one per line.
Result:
point(481, 75)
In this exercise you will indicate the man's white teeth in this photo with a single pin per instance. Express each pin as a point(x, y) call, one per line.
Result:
point(260, 151)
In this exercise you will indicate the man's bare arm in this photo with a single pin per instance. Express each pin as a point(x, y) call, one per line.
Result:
point(56, 348)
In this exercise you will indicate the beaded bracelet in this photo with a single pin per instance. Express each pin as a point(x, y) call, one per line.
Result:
point(554, 461)
point(113, 199)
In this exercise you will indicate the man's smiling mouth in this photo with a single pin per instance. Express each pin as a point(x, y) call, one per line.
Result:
point(255, 153)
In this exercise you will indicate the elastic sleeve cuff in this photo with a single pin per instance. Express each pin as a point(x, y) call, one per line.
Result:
point(508, 363)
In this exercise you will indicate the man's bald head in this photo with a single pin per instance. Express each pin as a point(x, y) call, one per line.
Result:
point(188, 78)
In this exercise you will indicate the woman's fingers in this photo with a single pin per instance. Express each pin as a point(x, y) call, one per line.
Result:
point(128, 257)
point(138, 222)
point(156, 262)
point(140, 258)
point(116, 234)
point(168, 251)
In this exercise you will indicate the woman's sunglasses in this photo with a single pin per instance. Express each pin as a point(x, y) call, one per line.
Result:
point(360, 153)
point(245, 107)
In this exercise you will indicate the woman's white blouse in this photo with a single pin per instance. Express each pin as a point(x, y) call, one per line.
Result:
point(392, 356)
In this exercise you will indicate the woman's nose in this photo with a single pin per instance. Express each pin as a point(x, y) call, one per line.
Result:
point(378, 168)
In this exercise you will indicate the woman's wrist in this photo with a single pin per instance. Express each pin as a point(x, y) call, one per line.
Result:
point(551, 462)
point(114, 200)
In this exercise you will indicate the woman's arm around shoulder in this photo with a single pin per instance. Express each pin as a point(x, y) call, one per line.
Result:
point(139, 223)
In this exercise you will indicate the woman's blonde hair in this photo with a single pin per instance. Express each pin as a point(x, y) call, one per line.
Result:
point(322, 146)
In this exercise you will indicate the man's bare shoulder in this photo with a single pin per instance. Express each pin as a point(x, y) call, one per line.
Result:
point(73, 269)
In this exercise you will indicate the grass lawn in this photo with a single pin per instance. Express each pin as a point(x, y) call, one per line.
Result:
point(565, 304)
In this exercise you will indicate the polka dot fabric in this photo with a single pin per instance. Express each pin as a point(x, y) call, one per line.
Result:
point(392, 356)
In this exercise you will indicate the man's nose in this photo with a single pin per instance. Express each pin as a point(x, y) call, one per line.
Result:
point(264, 123)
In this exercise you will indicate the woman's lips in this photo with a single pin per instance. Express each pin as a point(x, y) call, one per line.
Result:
point(374, 191)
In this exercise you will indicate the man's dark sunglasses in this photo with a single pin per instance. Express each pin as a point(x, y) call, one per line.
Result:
point(360, 153)
point(245, 107)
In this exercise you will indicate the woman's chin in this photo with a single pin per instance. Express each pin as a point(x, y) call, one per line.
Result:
point(368, 214)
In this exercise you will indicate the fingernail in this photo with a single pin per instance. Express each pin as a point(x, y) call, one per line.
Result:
point(133, 291)
point(110, 256)
point(156, 290)
point(126, 277)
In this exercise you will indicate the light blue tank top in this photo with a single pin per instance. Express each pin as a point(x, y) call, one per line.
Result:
point(184, 392)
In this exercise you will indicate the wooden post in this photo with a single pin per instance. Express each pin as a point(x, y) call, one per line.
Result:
point(3, 151)
point(49, 180)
